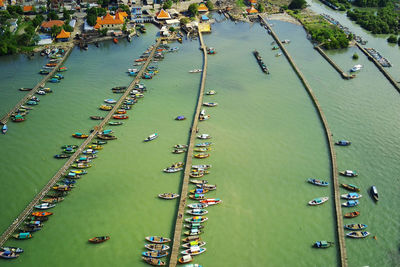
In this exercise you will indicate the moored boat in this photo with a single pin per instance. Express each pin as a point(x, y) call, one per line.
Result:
point(99, 142)
point(153, 261)
point(211, 92)
point(196, 219)
point(180, 118)
point(317, 182)
point(195, 71)
point(197, 196)
point(202, 166)
point(191, 238)
point(81, 165)
point(185, 259)
point(196, 250)
point(151, 137)
point(157, 247)
point(350, 203)
point(201, 155)
point(41, 213)
point(211, 201)
point(209, 187)
point(97, 118)
point(52, 200)
point(99, 239)
point(318, 201)
point(355, 226)
point(202, 149)
point(197, 212)
point(12, 249)
point(351, 187)
point(210, 104)
point(352, 214)
point(168, 195)
point(322, 244)
point(80, 135)
point(356, 68)
point(198, 191)
point(349, 173)
point(197, 205)
point(115, 123)
point(204, 136)
point(120, 117)
point(8, 254)
point(343, 143)
point(4, 129)
point(194, 243)
point(194, 181)
point(192, 232)
point(23, 236)
point(155, 254)
point(106, 136)
point(351, 196)
point(374, 193)
point(44, 206)
point(205, 144)
point(62, 156)
point(106, 107)
point(358, 234)
point(179, 151)
point(158, 239)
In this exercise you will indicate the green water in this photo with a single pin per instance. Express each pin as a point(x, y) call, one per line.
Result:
point(267, 141)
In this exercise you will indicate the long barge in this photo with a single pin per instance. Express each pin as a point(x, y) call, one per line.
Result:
point(260, 62)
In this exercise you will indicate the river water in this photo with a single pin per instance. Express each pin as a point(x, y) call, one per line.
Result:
point(267, 141)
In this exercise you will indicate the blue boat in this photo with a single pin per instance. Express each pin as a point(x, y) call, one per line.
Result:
point(155, 254)
point(356, 226)
point(351, 196)
point(4, 129)
point(322, 244)
point(180, 118)
point(31, 103)
point(343, 143)
point(12, 249)
point(350, 203)
point(54, 80)
point(59, 76)
point(317, 182)
point(68, 181)
point(8, 255)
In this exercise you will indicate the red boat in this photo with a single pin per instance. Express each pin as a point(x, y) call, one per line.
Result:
point(140, 59)
point(121, 111)
point(120, 117)
point(115, 40)
point(41, 213)
point(211, 201)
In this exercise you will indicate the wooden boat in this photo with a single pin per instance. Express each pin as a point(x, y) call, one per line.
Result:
point(195, 71)
point(196, 174)
point(158, 239)
point(357, 234)
point(203, 144)
point(44, 71)
point(185, 259)
point(202, 149)
point(374, 193)
point(18, 118)
point(99, 142)
point(81, 165)
point(41, 219)
point(211, 201)
point(352, 214)
point(201, 167)
point(22, 236)
point(69, 150)
point(193, 232)
point(351, 187)
point(120, 117)
point(155, 254)
point(197, 196)
point(211, 92)
point(89, 151)
point(197, 205)
point(52, 200)
point(322, 244)
point(180, 146)
point(355, 226)
point(62, 156)
point(62, 69)
point(201, 155)
point(106, 107)
point(63, 187)
point(349, 173)
point(57, 194)
point(99, 239)
point(209, 187)
point(151, 137)
point(194, 181)
point(72, 175)
point(178, 151)
point(115, 123)
point(350, 203)
point(32, 102)
point(71, 146)
point(8, 255)
point(203, 118)
point(351, 196)
point(25, 89)
point(317, 182)
point(97, 118)
point(12, 249)
point(41, 213)
point(80, 135)
point(168, 195)
point(210, 104)
point(194, 243)
point(120, 111)
point(204, 136)
point(180, 118)
point(44, 206)
point(343, 143)
point(318, 201)
point(197, 212)
point(4, 129)
point(153, 261)
point(196, 219)
point(198, 191)
point(106, 136)
point(30, 228)
point(196, 250)
point(157, 247)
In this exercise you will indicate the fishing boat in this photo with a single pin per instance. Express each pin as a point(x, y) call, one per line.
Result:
point(322, 244)
point(356, 68)
point(192, 232)
point(41, 213)
point(44, 206)
point(81, 165)
point(194, 243)
point(140, 86)
point(153, 261)
point(194, 181)
point(54, 80)
point(197, 196)
point(196, 174)
point(180, 118)
point(110, 101)
point(97, 118)
point(120, 117)
point(196, 219)
point(106, 136)
point(8, 255)
point(349, 173)
point(168, 195)
point(99, 239)
point(69, 150)
point(197, 212)
point(374, 193)
point(210, 104)
point(195, 71)
point(317, 182)
point(204, 118)
point(343, 143)
point(120, 111)
point(211, 92)
point(12, 249)
point(260, 62)
point(30, 229)
point(72, 175)
point(157, 239)
point(41, 92)
point(179, 151)
point(18, 118)
point(201, 167)
point(204, 144)
point(358, 234)
point(62, 156)
point(172, 169)
point(202, 149)
point(106, 107)
point(204, 136)
point(198, 191)
point(157, 247)
point(350, 203)
point(318, 201)
point(275, 47)
point(355, 226)
point(209, 187)
point(180, 146)
point(44, 72)
point(62, 69)
point(80, 172)
point(352, 214)
point(278, 54)
point(32, 103)
point(185, 259)
point(201, 155)
point(155, 254)
point(52, 200)
point(351, 196)
point(22, 236)
point(196, 250)
point(63, 187)
point(25, 89)
point(191, 238)
point(351, 187)
point(211, 201)
point(151, 137)
point(197, 205)
point(80, 135)
point(99, 142)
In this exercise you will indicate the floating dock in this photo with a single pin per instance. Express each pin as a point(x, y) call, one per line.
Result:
point(334, 65)
point(188, 164)
point(26, 212)
point(328, 135)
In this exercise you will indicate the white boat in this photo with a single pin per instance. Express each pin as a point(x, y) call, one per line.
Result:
point(197, 206)
point(203, 112)
point(168, 195)
point(194, 243)
point(197, 212)
point(358, 234)
point(172, 170)
point(204, 136)
point(210, 104)
point(110, 101)
point(132, 70)
point(204, 118)
point(196, 250)
point(356, 68)
point(318, 201)
point(351, 196)
point(45, 206)
point(195, 71)
point(41, 92)
point(285, 41)
point(279, 54)
point(211, 92)
point(201, 167)
point(151, 137)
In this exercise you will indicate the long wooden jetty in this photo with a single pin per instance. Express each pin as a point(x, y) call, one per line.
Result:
point(38, 86)
point(379, 66)
point(328, 134)
point(334, 65)
point(26, 212)
point(185, 183)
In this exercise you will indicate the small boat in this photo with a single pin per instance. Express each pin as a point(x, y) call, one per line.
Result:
point(97, 118)
point(8, 255)
point(41, 213)
point(22, 236)
point(71, 146)
point(79, 172)
point(197, 212)
point(106, 136)
point(197, 205)
point(352, 214)
point(52, 200)
point(106, 107)
point(191, 238)
point(198, 191)
point(18, 118)
point(62, 156)
point(197, 196)
point(211, 201)
point(32, 103)
point(350, 203)
point(180, 146)
point(99, 239)
point(63, 187)
point(356, 68)
point(99, 142)
point(202, 149)
point(211, 92)
point(30, 228)
point(279, 54)
point(168, 195)
point(157, 239)
point(179, 151)
point(155, 254)
point(69, 150)
point(44, 72)
point(195, 71)
point(351, 196)
point(318, 201)
point(96, 147)
point(322, 244)
point(204, 118)
point(120, 117)
point(357, 234)
point(185, 259)
point(89, 152)
point(204, 136)
point(196, 250)
point(120, 111)
point(12, 249)
point(349, 173)
point(374, 193)
point(180, 118)
point(196, 174)
point(172, 169)
point(201, 167)
point(151, 137)
point(140, 86)
point(62, 69)
point(115, 40)
point(317, 182)
point(192, 232)
point(153, 261)
point(351, 187)
point(194, 243)
point(285, 41)
point(81, 165)
point(210, 104)
point(157, 247)
point(204, 144)
point(42, 219)
point(355, 226)
point(110, 101)
point(54, 80)
point(80, 135)
point(196, 219)
point(275, 47)
point(209, 187)
point(201, 155)
point(194, 181)
point(25, 89)
point(44, 206)
point(343, 143)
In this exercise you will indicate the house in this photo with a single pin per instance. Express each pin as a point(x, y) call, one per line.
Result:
point(44, 39)
point(251, 10)
point(172, 22)
point(202, 8)
point(173, 13)
point(136, 12)
point(28, 9)
point(3, 4)
point(204, 18)
point(72, 23)
point(163, 15)
point(110, 22)
point(63, 36)
point(47, 25)
point(13, 24)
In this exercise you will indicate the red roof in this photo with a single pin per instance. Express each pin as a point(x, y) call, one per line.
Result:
point(163, 14)
point(63, 34)
point(28, 8)
point(51, 23)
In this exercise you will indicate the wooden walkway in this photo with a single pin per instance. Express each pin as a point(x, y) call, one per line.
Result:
point(185, 183)
point(328, 134)
point(7, 116)
point(26, 212)
point(379, 66)
point(334, 65)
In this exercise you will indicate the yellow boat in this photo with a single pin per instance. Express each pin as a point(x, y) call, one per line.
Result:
point(96, 147)
point(202, 155)
point(106, 107)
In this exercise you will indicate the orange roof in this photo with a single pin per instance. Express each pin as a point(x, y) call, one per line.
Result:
point(163, 14)
point(202, 8)
point(51, 23)
point(1, 3)
point(97, 26)
point(253, 1)
point(28, 8)
point(252, 10)
point(63, 34)
point(123, 13)
point(108, 19)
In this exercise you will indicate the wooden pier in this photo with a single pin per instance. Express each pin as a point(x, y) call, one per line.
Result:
point(328, 134)
point(334, 65)
point(188, 164)
point(38, 86)
point(379, 66)
point(26, 212)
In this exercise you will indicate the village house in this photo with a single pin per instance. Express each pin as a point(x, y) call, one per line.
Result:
point(3, 4)
point(163, 15)
point(47, 25)
point(111, 22)
point(63, 36)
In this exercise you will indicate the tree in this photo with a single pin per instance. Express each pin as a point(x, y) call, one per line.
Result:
point(171, 29)
point(355, 56)
point(193, 11)
point(297, 4)
point(24, 39)
point(261, 7)
point(55, 30)
point(52, 15)
point(103, 32)
point(68, 28)
point(125, 8)
point(184, 21)
point(167, 4)
point(398, 41)
point(66, 14)
point(209, 5)
point(392, 39)
point(91, 19)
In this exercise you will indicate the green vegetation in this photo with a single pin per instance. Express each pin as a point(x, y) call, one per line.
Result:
point(52, 15)
point(93, 13)
point(240, 3)
point(260, 7)
point(209, 5)
point(398, 42)
point(385, 20)
point(184, 21)
point(297, 4)
point(193, 10)
point(355, 56)
point(392, 39)
point(167, 4)
point(371, 3)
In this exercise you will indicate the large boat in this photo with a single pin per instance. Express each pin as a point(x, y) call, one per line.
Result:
point(157, 239)
point(357, 234)
point(349, 173)
point(153, 261)
point(99, 239)
point(350, 203)
point(8, 254)
point(355, 226)
point(356, 68)
point(317, 182)
point(151, 137)
point(168, 195)
point(155, 254)
point(352, 214)
point(318, 201)
point(260, 62)
point(157, 247)
point(196, 250)
point(322, 244)
point(44, 206)
point(343, 143)
point(351, 196)
point(374, 193)
point(351, 187)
